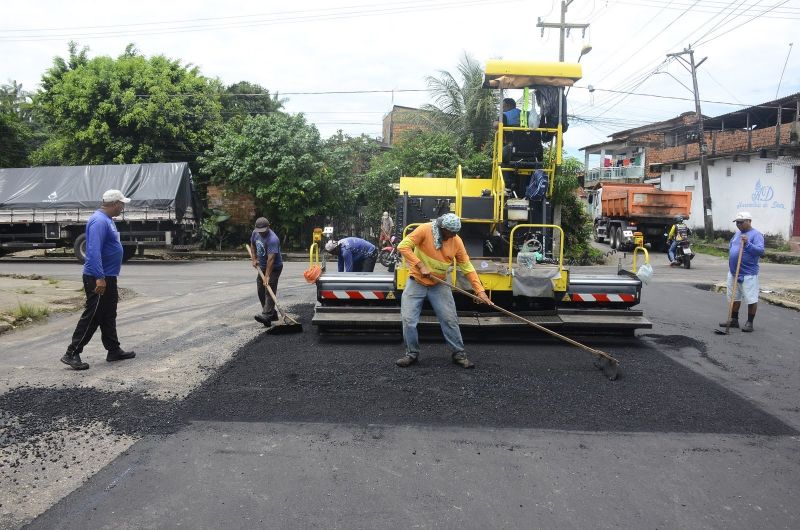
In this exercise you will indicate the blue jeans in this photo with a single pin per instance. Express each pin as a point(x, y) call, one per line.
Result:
point(441, 298)
point(671, 251)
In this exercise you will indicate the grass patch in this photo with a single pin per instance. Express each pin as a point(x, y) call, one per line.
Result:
point(25, 311)
point(25, 291)
point(709, 249)
point(53, 281)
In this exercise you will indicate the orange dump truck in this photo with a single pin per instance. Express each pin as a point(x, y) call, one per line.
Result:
point(619, 210)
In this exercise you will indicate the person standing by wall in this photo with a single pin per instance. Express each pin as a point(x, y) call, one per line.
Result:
point(750, 242)
point(429, 251)
point(387, 225)
point(100, 270)
point(266, 251)
point(354, 254)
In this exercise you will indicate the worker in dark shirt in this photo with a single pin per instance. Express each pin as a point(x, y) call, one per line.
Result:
point(266, 251)
point(100, 271)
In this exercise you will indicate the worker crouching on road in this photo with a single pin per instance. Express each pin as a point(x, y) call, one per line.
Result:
point(429, 251)
point(354, 254)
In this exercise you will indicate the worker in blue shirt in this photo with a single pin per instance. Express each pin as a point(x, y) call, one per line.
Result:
point(355, 254)
point(266, 253)
point(750, 242)
point(100, 271)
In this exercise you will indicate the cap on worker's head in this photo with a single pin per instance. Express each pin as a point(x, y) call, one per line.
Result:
point(743, 216)
point(386, 214)
point(331, 244)
point(450, 222)
point(262, 225)
point(114, 196)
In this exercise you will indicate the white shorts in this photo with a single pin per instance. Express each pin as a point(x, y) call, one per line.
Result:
point(746, 291)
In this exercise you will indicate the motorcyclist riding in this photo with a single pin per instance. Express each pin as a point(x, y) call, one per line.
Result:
point(677, 233)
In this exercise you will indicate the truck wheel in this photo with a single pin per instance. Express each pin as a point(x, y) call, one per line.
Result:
point(613, 237)
point(617, 238)
point(128, 252)
point(80, 248)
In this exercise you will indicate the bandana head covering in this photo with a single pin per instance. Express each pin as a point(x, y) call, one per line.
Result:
point(450, 222)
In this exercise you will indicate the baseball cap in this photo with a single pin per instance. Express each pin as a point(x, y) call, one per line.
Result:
point(741, 216)
point(262, 225)
point(114, 196)
point(331, 244)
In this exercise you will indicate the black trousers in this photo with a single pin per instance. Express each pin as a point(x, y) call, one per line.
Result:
point(367, 264)
point(100, 311)
point(267, 305)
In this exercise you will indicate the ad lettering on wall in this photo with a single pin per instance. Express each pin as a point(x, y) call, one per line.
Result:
point(761, 197)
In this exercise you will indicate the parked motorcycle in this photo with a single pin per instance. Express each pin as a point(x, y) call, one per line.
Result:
point(389, 256)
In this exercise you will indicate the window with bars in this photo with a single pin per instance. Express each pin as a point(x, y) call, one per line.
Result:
point(769, 167)
point(728, 171)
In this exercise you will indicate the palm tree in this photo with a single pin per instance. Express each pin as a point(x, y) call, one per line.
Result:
point(464, 110)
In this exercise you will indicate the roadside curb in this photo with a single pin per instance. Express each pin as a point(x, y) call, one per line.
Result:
point(771, 298)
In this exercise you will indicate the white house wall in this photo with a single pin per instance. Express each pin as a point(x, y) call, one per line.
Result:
point(769, 197)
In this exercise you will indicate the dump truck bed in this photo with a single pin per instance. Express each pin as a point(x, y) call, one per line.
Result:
point(644, 201)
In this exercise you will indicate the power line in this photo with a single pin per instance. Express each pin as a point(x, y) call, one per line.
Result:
point(339, 13)
point(705, 7)
point(739, 26)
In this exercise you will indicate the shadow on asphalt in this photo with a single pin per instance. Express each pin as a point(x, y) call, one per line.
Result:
point(545, 385)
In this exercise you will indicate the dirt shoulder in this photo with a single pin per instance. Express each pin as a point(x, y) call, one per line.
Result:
point(25, 299)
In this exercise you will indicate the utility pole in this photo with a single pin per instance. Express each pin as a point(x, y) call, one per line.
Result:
point(708, 218)
point(563, 27)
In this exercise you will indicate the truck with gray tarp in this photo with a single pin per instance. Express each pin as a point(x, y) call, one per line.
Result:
point(47, 207)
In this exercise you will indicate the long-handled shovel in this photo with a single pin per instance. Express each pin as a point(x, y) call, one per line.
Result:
point(603, 361)
point(288, 324)
point(733, 293)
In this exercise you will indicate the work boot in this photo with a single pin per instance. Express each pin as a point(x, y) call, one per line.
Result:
point(262, 319)
point(405, 361)
point(120, 355)
point(461, 360)
point(734, 323)
point(74, 361)
point(748, 327)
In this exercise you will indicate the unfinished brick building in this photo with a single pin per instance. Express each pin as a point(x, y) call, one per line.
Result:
point(753, 159)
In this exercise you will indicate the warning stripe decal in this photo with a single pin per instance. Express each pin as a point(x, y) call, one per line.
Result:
point(602, 297)
point(353, 295)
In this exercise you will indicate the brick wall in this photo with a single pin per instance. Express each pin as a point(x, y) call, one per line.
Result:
point(729, 142)
point(240, 206)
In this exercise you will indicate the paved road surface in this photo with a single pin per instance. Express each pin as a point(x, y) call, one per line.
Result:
point(702, 431)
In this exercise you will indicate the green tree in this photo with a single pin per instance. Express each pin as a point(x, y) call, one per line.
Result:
point(347, 160)
point(277, 157)
point(247, 99)
point(125, 110)
point(575, 221)
point(462, 108)
point(16, 130)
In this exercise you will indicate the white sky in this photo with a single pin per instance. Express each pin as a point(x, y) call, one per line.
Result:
point(350, 45)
